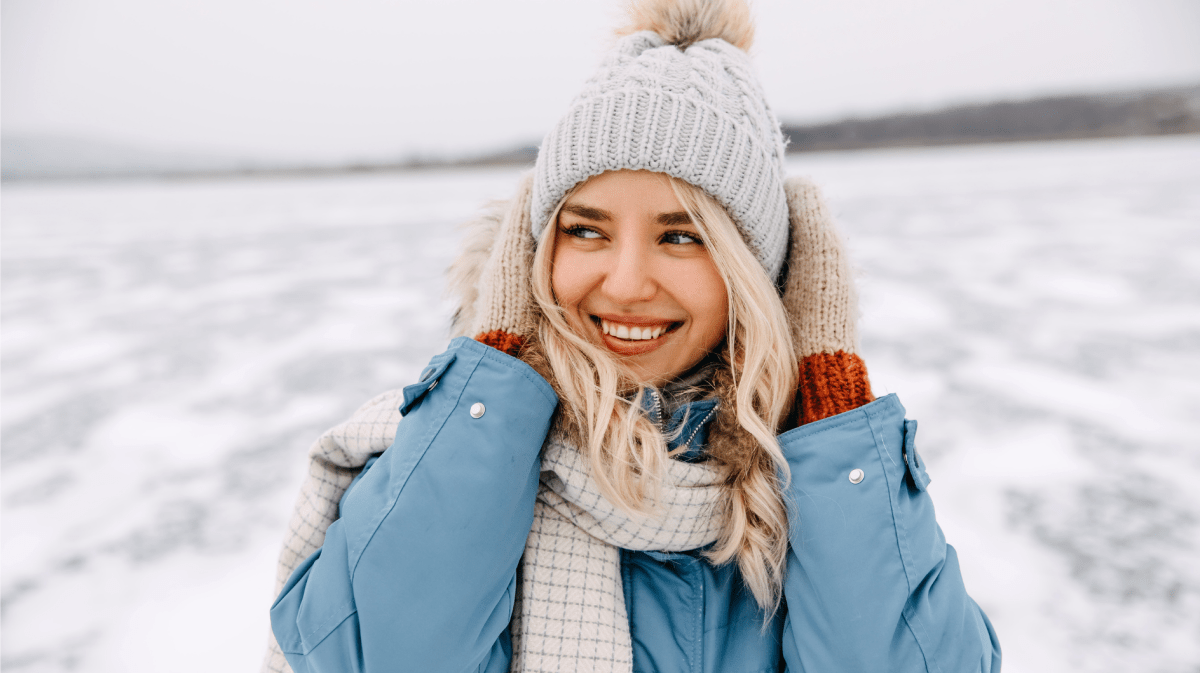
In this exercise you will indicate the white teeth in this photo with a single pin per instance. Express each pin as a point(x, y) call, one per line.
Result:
point(633, 333)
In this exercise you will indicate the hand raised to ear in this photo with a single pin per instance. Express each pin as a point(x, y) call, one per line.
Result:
point(493, 275)
point(821, 303)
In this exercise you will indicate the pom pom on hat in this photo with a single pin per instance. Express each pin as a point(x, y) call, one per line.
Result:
point(677, 95)
point(685, 22)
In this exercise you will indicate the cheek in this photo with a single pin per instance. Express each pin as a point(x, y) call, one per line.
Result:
point(713, 305)
point(568, 279)
point(702, 292)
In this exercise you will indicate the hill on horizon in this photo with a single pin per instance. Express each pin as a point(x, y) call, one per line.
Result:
point(1139, 113)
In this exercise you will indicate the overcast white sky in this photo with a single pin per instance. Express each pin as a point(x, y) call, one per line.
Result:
point(338, 79)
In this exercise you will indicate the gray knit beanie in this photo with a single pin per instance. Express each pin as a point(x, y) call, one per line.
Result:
point(695, 112)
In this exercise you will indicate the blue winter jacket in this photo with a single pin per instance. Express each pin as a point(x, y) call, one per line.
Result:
point(419, 572)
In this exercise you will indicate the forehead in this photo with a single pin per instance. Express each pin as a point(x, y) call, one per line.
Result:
point(627, 190)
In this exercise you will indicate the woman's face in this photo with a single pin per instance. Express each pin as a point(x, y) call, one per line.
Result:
point(635, 277)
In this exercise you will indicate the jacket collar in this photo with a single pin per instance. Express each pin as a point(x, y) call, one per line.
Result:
point(685, 427)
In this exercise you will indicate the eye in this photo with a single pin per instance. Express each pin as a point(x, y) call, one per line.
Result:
point(580, 231)
point(681, 238)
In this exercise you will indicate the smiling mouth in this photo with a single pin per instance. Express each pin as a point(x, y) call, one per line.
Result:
point(634, 333)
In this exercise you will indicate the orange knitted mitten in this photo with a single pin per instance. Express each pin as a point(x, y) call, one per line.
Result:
point(820, 300)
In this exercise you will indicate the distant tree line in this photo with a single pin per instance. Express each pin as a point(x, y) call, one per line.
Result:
point(1143, 113)
point(1152, 113)
point(1146, 113)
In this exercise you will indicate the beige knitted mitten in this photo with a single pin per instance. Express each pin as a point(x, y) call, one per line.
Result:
point(820, 299)
point(493, 275)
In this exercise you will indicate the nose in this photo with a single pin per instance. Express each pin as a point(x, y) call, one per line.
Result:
point(630, 280)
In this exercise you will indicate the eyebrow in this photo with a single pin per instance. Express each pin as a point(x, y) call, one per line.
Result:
point(598, 215)
point(674, 219)
point(588, 213)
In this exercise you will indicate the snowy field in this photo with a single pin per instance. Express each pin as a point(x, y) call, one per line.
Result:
point(170, 349)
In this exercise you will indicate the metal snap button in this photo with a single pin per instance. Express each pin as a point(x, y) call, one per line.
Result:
point(477, 410)
point(856, 476)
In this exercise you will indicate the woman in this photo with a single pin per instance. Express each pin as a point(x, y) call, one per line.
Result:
point(660, 451)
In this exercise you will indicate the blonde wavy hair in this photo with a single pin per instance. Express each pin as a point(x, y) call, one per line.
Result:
point(627, 451)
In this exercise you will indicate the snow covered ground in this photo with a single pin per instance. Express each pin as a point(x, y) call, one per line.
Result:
point(170, 350)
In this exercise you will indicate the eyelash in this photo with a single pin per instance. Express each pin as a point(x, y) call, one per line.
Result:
point(580, 231)
point(685, 234)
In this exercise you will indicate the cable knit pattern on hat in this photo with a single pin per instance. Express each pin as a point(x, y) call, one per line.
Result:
point(696, 113)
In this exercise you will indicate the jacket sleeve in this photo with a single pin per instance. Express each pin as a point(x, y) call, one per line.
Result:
point(871, 584)
point(419, 571)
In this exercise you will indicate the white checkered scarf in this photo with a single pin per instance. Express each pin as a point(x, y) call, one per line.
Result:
point(570, 609)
